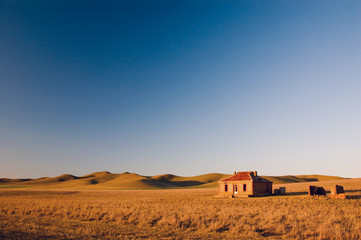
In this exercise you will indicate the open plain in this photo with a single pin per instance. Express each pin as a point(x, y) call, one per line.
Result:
point(158, 92)
point(27, 213)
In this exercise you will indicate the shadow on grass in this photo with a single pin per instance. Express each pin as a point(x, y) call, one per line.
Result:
point(306, 193)
point(353, 196)
point(351, 191)
point(295, 193)
point(356, 196)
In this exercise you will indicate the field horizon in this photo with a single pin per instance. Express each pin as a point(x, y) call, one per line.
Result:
point(66, 207)
point(132, 181)
point(179, 214)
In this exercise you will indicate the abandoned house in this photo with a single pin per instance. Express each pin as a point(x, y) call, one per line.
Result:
point(245, 184)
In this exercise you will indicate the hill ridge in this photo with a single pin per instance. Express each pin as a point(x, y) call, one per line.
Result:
point(127, 180)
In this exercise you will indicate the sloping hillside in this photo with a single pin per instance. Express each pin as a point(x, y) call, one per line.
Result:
point(300, 178)
point(107, 180)
point(206, 180)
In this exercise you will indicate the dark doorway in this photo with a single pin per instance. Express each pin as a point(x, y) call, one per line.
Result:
point(244, 187)
point(235, 189)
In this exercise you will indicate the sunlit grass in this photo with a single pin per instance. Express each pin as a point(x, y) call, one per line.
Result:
point(172, 214)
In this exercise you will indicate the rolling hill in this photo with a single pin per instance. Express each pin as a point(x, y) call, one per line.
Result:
point(301, 178)
point(126, 180)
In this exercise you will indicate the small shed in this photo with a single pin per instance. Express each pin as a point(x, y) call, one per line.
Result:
point(245, 184)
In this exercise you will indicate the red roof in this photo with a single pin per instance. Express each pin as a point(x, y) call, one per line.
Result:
point(245, 176)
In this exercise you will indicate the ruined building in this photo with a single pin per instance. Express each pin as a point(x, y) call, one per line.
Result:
point(245, 184)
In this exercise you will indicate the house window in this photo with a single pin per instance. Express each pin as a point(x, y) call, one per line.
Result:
point(226, 188)
point(244, 187)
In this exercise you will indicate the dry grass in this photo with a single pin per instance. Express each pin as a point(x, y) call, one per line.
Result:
point(175, 214)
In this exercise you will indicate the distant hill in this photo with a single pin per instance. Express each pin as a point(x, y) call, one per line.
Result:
point(126, 180)
point(301, 178)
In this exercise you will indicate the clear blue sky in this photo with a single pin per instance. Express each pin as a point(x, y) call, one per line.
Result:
point(182, 87)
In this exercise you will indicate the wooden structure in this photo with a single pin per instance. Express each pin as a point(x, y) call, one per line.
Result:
point(245, 184)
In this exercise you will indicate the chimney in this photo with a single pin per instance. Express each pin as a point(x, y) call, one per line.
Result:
point(234, 173)
point(255, 173)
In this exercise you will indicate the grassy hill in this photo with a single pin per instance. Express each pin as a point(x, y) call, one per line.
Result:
point(301, 178)
point(107, 180)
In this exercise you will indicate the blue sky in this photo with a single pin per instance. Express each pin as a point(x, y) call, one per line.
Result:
point(182, 87)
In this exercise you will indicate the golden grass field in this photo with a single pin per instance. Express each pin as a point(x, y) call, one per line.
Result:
point(179, 214)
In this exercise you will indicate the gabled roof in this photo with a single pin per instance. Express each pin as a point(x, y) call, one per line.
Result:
point(245, 176)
